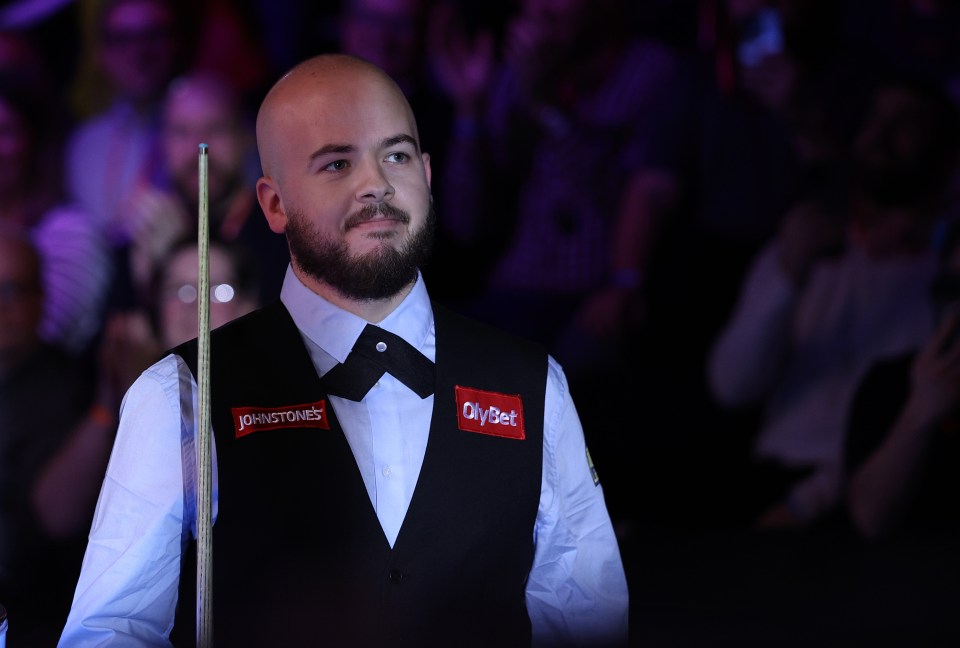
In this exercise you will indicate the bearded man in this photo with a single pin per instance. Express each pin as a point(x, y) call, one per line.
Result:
point(387, 473)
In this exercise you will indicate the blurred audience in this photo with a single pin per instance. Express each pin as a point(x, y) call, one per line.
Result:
point(76, 262)
point(199, 107)
point(388, 33)
point(137, 47)
point(830, 295)
point(43, 394)
point(548, 130)
point(231, 46)
point(902, 449)
point(753, 122)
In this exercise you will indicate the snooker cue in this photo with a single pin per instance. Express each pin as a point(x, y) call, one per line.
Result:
point(204, 448)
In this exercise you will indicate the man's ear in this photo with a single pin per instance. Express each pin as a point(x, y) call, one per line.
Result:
point(426, 168)
point(272, 204)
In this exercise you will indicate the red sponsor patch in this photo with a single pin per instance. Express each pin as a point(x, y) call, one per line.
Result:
point(247, 420)
point(490, 413)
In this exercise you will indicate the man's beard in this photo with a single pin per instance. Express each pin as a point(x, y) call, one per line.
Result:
point(378, 274)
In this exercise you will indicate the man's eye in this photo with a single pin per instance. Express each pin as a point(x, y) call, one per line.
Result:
point(398, 157)
point(338, 165)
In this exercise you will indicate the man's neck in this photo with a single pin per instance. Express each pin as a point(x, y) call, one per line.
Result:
point(370, 310)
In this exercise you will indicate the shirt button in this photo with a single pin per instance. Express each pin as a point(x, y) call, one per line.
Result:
point(387, 471)
point(395, 576)
point(381, 346)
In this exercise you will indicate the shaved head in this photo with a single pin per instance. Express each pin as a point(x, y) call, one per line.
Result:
point(345, 180)
point(323, 82)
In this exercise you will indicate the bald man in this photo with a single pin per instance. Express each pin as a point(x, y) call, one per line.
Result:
point(387, 473)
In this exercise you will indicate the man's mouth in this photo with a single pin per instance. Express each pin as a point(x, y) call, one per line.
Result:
point(374, 213)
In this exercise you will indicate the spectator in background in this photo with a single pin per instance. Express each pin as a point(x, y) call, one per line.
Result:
point(76, 264)
point(232, 46)
point(902, 449)
point(138, 46)
point(832, 294)
point(234, 289)
point(388, 33)
point(43, 393)
point(65, 491)
point(742, 140)
point(760, 115)
point(546, 136)
point(200, 107)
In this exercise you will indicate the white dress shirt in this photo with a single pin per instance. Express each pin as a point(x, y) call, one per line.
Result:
point(128, 584)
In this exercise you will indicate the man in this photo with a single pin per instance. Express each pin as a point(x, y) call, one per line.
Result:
point(831, 295)
point(138, 47)
point(487, 526)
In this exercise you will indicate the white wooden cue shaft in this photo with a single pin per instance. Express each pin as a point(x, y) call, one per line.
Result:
point(204, 445)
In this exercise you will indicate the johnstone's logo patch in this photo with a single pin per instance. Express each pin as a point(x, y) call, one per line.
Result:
point(247, 420)
point(490, 413)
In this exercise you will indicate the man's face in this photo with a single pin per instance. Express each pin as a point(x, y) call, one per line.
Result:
point(138, 48)
point(354, 186)
point(895, 152)
point(196, 113)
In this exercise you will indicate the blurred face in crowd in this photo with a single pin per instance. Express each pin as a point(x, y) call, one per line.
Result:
point(898, 165)
point(178, 308)
point(345, 178)
point(385, 32)
point(21, 301)
point(137, 48)
point(896, 133)
point(14, 151)
point(202, 110)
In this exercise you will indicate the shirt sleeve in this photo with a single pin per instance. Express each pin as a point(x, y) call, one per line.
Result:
point(577, 590)
point(127, 591)
point(747, 357)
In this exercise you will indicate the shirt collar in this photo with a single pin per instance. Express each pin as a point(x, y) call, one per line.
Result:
point(335, 330)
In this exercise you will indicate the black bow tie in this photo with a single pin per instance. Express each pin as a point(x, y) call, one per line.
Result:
point(376, 352)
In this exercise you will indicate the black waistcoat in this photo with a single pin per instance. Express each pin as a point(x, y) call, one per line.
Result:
point(299, 557)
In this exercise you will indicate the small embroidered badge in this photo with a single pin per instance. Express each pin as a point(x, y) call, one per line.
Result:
point(593, 469)
point(489, 412)
point(247, 420)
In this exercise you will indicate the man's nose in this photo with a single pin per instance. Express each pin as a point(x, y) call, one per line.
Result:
point(374, 186)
